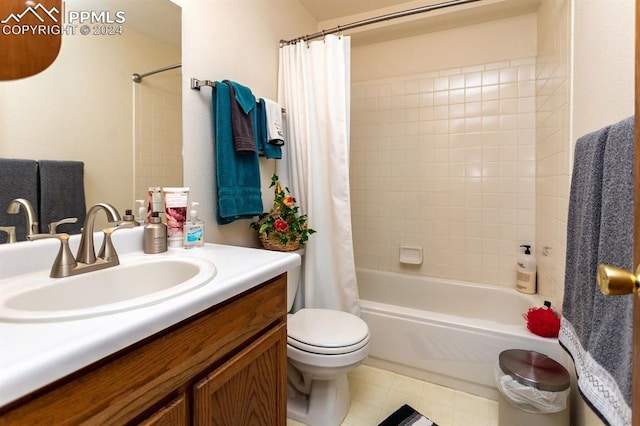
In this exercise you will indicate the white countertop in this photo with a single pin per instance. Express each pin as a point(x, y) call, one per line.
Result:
point(35, 354)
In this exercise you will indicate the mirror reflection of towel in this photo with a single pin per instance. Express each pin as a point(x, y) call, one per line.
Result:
point(18, 179)
point(61, 194)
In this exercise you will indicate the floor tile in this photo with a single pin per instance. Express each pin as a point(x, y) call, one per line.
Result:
point(376, 393)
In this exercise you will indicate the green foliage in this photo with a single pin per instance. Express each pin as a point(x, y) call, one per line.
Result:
point(283, 220)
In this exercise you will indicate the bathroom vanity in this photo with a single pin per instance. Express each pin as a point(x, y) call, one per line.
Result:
point(213, 355)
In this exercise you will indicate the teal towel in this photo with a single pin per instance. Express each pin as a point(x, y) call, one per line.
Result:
point(265, 148)
point(237, 176)
point(243, 95)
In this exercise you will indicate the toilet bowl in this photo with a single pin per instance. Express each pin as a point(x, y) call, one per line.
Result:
point(323, 345)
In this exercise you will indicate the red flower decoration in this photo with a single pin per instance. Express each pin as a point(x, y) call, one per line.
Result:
point(280, 225)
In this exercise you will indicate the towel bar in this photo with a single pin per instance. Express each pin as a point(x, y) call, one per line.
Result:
point(196, 84)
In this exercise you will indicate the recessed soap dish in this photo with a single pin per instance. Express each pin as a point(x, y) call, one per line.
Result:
point(411, 255)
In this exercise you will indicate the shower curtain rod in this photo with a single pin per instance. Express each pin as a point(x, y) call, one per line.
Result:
point(381, 18)
point(138, 77)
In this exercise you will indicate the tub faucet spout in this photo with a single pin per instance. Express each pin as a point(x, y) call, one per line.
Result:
point(32, 220)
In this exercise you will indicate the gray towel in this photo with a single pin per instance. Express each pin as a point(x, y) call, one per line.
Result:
point(18, 179)
point(242, 105)
point(596, 329)
point(62, 194)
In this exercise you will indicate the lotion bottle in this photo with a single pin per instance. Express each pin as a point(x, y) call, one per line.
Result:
point(155, 235)
point(193, 229)
point(142, 212)
point(526, 279)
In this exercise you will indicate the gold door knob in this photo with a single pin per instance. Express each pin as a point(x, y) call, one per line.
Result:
point(614, 281)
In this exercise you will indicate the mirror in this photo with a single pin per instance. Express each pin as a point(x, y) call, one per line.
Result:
point(85, 106)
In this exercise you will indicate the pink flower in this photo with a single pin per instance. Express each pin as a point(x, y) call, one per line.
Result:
point(289, 201)
point(280, 225)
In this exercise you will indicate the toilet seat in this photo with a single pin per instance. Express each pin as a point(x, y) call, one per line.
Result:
point(326, 331)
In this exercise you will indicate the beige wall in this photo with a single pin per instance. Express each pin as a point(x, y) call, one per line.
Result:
point(81, 108)
point(494, 41)
point(603, 63)
point(236, 40)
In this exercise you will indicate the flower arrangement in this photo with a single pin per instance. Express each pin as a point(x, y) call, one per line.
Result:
point(283, 228)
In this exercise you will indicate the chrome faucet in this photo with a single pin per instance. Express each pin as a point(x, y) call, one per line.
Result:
point(53, 226)
point(32, 220)
point(86, 261)
point(86, 251)
point(11, 233)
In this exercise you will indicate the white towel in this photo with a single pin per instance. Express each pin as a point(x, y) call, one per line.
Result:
point(274, 122)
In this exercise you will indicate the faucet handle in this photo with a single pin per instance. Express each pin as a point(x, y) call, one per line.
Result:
point(108, 251)
point(53, 226)
point(11, 232)
point(65, 262)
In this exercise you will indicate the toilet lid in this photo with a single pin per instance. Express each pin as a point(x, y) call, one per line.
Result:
point(326, 331)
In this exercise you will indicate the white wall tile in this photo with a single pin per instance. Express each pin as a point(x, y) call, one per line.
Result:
point(448, 163)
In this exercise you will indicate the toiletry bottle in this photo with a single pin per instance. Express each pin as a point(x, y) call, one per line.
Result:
point(155, 235)
point(193, 229)
point(526, 280)
point(127, 217)
point(142, 212)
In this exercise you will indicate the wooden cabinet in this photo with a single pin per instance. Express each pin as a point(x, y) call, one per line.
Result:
point(225, 366)
point(175, 413)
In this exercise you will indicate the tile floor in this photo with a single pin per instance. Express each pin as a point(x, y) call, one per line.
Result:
point(376, 393)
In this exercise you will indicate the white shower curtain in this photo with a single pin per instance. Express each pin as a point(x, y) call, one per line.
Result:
point(314, 87)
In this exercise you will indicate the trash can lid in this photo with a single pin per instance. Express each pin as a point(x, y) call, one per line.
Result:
point(534, 369)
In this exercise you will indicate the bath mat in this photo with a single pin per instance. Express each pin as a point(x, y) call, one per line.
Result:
point(407, 416)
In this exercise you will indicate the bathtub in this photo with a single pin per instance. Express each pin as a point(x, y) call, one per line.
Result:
point(444, 331)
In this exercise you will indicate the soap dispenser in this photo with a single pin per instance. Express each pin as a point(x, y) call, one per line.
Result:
point(193, 229)
point(526, 279)
point(155, 235)
point(127, 217)
point(142, 212)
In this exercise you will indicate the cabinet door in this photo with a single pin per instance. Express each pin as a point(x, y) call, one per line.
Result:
point(249, 389)
point(173, 414)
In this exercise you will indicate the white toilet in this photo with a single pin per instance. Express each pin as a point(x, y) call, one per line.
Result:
point(323, 345)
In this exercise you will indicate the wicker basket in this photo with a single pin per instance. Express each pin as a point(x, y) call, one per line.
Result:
point(271, 242)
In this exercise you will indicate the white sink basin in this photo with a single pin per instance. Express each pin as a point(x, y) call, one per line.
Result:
point(138, 281)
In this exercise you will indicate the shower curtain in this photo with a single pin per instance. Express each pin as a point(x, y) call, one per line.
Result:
point(314, 87)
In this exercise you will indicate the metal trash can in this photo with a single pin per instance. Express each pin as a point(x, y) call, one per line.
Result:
point(533, 389)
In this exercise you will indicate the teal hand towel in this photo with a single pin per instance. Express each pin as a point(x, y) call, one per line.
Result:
point(237, 175)
point(268, 150)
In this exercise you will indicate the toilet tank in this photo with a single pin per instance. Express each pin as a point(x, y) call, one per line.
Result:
point(293, 281)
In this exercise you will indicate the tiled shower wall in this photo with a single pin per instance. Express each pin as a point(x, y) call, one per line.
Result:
point(158, 133)
point(553, 147)
point(445, 161)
